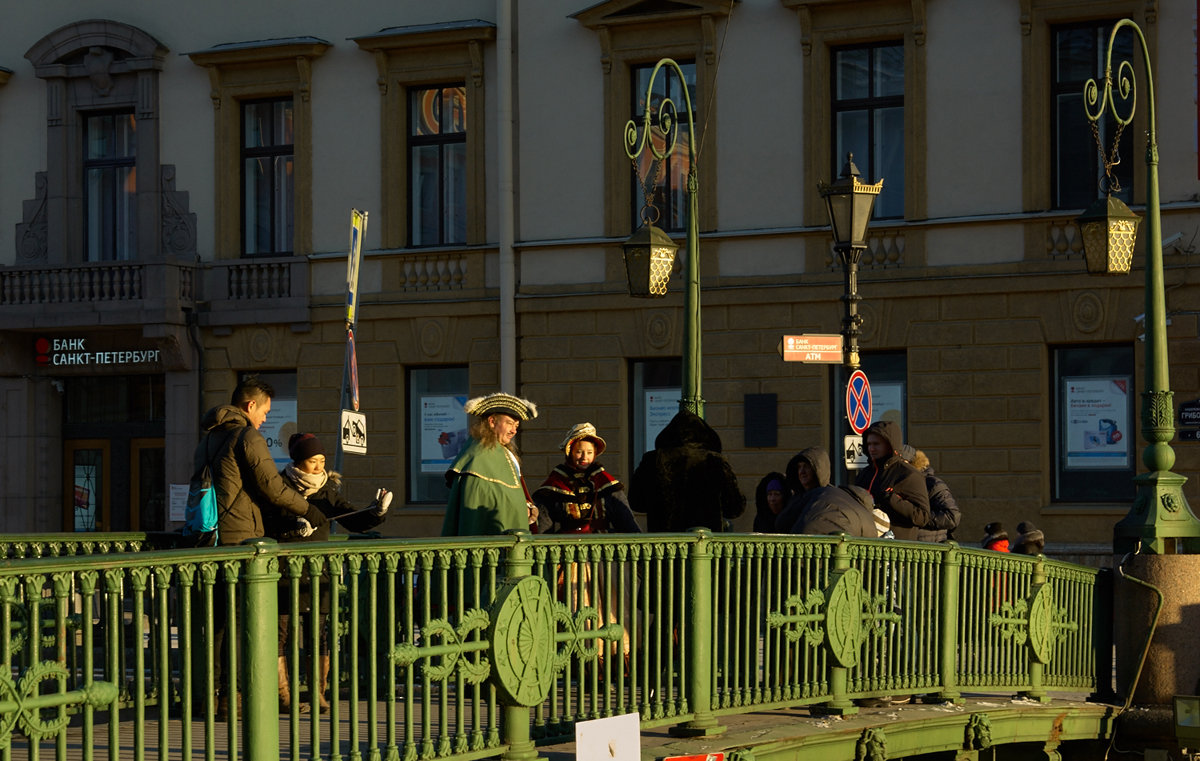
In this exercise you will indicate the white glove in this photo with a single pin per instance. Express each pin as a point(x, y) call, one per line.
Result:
point(383, 500)
point(533, 512)
point(303, 527)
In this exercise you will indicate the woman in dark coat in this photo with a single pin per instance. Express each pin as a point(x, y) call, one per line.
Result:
point(306, 474)
point(685, 482)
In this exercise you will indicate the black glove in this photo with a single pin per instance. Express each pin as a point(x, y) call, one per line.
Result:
point(315, 517)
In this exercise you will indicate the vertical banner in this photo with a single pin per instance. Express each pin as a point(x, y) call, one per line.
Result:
point(358, 228)
point(348, 403)
point(352, 365)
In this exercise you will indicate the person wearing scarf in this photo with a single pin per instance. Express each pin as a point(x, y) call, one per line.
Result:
point(322, 488)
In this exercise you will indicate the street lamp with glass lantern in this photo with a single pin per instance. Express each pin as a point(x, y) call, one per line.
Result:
point(650, 252)
point(1160, 518)
point(850, 204)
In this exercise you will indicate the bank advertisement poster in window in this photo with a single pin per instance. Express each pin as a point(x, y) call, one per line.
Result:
point(443, 431)
point(662, 404)
point(1096, 411)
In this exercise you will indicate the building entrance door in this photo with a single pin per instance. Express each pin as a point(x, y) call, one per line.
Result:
point(88, 472)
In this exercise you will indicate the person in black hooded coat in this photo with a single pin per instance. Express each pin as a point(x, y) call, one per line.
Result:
point(898, 488)
point(685, 481)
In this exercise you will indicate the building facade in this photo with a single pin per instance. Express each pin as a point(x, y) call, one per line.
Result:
point(179, 183)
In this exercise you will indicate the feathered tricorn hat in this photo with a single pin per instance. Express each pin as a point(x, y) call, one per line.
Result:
point(500, 402)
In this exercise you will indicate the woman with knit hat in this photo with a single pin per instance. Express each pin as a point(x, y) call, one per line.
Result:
point(579, 495)
point(322, 488)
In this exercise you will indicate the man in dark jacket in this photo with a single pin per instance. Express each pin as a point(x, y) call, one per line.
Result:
point(684, 481)
point(897, 487)
point(244, 474)
point(247, 485)
point(836, 510)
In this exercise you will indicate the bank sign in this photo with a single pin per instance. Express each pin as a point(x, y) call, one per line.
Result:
point(86, 352)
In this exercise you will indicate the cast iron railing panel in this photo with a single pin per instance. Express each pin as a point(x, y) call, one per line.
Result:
point(418, 657)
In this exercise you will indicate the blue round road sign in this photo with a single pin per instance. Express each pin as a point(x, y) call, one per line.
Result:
point(858, 402)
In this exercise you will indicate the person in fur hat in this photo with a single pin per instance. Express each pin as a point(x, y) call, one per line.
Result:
point(580, 496)
point(1030, 540)
point(995, 537)
point(685, 481)
point(487, 493)
point(944, 515)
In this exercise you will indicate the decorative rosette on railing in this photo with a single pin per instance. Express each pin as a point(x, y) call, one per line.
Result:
point(1034, 618)
point(520, 631)
point(842, 617)
point(21, 704)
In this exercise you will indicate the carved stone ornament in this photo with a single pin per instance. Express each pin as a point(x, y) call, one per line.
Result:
point(872, 746)
point(978, 732)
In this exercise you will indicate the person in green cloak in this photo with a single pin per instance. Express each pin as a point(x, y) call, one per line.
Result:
point(487, 493)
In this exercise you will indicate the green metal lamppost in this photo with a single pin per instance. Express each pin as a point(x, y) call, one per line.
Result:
point(1160, 517)
point(850, 204)
point(650, 253)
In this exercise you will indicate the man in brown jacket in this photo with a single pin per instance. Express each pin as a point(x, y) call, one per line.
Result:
point(244, 474)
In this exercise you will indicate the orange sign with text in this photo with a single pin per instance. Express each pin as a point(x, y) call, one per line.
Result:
point(811, 348)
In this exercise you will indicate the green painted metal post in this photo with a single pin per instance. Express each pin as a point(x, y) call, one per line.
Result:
point(948, 647)
point(515, 719)
point(259, 624)
point(841, 705)
point(698, 617)
point(1160, 517)
point(1037, 669)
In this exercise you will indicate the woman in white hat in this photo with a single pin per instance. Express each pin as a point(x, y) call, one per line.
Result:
point(579, 495)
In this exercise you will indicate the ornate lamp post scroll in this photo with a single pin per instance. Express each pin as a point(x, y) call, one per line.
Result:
point(1160, 517)
point(638, 138)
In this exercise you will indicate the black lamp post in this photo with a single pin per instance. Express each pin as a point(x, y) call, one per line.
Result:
point(850, 203)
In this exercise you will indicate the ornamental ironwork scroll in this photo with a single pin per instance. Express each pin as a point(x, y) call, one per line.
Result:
point(842, 617)
point(521, 633)
point(21, 704)
point(1034, 619)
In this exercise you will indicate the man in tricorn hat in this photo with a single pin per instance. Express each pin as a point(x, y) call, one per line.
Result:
point(487, 492)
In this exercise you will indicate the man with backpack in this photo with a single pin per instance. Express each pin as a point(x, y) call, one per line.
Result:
point(246, 484)
point(244, 476)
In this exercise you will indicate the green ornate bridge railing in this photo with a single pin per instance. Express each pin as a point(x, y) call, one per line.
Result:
point(482, 647)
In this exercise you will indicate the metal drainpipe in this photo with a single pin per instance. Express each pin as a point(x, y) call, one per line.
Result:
point(506, 202)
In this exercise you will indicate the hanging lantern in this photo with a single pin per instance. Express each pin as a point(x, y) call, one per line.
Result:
point(649, 259)
point(1109, 230)
point(850, 203)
